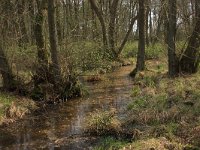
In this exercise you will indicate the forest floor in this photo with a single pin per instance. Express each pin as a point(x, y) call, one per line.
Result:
point(164, 114)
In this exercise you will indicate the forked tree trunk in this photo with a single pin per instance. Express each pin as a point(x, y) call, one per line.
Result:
point(109, 39)
point(102, 22)
point(190, 59)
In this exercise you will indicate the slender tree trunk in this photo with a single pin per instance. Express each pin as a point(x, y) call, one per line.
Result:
point(140, 66)
point(147, 23)
point(127, 35)
point(102, 22)
point(150, 27)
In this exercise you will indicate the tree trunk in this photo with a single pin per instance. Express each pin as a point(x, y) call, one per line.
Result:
point(147, 23)
point(127, 35)
point(112, 23)
point(53, 41)
point(20, 10)
point(58, 22)
point(141, 47)
point(5, 70)
point(172, 59)
point(31, 16)
point(42, 69)
point(190, 59)
point(140, 66)
point(102, 22)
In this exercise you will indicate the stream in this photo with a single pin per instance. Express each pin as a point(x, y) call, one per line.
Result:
point(61, 127)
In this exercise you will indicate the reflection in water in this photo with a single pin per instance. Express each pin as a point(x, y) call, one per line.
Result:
point(63, 124)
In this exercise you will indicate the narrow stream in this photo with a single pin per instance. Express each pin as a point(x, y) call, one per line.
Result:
point(61, 127)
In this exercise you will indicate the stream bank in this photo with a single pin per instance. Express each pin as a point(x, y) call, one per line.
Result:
point(62, 125)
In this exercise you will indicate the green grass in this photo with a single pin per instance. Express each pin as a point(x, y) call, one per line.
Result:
point(110, 143)
point(167, 107)
point(152, 52)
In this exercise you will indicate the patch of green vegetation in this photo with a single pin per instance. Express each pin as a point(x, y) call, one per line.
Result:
point(135, 91)
point(85, 56)
point(154, 144)
point(149, 81)
point(154, 51)
point(14, 107)
point(103, 123)
point(110, 143)
point(5, 101)
point(139, 103)
point(130, 49)
point(166, 107)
